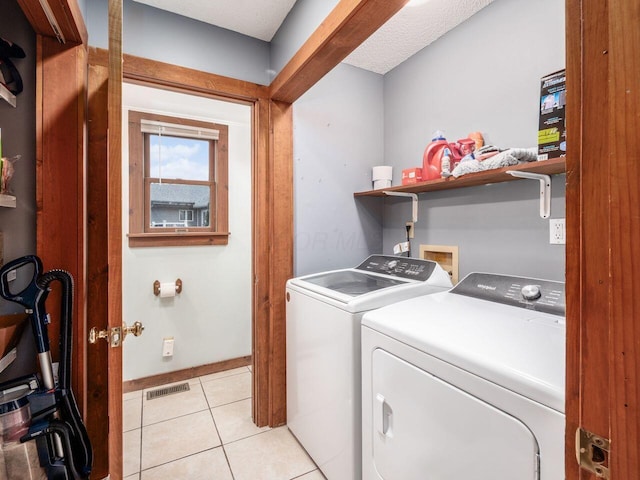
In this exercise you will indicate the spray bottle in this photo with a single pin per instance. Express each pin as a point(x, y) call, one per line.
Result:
point(446, 163)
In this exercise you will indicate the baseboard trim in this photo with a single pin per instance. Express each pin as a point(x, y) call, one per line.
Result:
point(185, 374)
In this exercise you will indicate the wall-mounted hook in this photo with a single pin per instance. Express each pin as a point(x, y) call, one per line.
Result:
point(545, 189)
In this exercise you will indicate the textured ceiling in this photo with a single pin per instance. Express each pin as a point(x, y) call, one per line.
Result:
point(255, 18)
point(414, 27)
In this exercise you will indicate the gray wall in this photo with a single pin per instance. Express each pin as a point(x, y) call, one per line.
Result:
point(18, 137)
point(301, 22)
point(484, 75)
point(83, 7)
point(166, 37)
point(337, 137)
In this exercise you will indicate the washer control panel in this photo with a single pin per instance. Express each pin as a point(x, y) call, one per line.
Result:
point(410, 268)
point(533, 294)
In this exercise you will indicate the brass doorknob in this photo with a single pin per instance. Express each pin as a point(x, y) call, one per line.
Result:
point(115, 336)
point(135, 329)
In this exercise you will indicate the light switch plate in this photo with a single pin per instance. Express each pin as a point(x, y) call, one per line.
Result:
point(167, 347)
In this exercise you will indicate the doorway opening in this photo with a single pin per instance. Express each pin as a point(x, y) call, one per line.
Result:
point(208, 324)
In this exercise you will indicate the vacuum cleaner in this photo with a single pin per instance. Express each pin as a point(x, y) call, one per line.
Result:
point(52, 416)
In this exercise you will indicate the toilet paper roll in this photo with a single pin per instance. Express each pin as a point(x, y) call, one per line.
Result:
point(377, 184)
point(167, 290)
point(382, 172)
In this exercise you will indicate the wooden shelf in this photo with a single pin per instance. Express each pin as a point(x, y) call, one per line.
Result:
point(8, 96)
point(498, 175)
point(7, 201)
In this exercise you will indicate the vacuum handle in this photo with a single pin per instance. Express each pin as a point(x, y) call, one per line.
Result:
point(32, 297)
point(27, 296)
point(66, 332)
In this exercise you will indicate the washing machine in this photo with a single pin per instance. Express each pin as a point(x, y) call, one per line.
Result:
point(323, 351)
point(467, 383)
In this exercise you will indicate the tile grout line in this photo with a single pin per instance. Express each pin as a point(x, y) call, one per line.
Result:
point(140, 452)
point(210, 408)
point(220, 378)
point(251, 436)
point(215, 425)
point(178, 459)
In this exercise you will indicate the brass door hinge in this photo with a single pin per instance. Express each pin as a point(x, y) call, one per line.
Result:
point(592, 453)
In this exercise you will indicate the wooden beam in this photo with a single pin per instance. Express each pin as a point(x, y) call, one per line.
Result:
point(281, 235)
point(261, 241)
point(173, 77)
point(67, 14)
point(349, 24)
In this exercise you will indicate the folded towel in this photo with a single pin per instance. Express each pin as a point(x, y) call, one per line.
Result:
point(513, 156)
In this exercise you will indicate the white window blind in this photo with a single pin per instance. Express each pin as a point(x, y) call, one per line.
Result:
point(175, 130)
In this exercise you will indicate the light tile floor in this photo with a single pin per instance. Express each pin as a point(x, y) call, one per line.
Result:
point(207, 434)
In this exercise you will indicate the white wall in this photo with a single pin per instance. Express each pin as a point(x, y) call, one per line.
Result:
point(483, 75)
point(211, 320)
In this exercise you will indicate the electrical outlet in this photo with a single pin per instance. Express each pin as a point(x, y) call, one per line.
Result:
point(557, 232)
point(167, 347)
point(410, 233)
point(399, 248)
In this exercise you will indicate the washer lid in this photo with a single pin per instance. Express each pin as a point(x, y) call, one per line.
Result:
point(519, 349)
point(379, 280)
point(352, 282)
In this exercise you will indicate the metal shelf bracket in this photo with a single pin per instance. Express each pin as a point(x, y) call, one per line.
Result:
point(414, 198)
point(545, 189)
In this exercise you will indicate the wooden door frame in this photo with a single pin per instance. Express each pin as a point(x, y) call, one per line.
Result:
point(114, 235)
point(603, 226)
point(601, 339)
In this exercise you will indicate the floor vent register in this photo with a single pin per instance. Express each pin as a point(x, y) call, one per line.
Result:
point(164, 391)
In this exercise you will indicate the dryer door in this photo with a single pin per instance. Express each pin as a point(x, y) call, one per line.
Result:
point(427, 429)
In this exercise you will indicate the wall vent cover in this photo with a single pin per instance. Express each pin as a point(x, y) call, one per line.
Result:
point(164, 391)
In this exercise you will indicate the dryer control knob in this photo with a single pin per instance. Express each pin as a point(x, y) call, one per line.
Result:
point(531, 292)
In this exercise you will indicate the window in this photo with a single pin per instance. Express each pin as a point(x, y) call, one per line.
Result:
point(186, 216)
point(177, 181)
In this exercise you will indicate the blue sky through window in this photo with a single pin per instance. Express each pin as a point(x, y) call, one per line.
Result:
point(179, 158)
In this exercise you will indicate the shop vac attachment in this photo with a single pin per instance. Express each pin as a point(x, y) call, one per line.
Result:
point(54, 422)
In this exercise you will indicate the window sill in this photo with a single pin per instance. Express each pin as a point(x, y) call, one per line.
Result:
point(174, 239)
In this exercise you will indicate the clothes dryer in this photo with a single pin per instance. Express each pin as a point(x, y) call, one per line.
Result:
point(467, 383)
point(323, 351)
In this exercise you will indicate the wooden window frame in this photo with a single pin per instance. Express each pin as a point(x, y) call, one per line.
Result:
point(140, 234)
